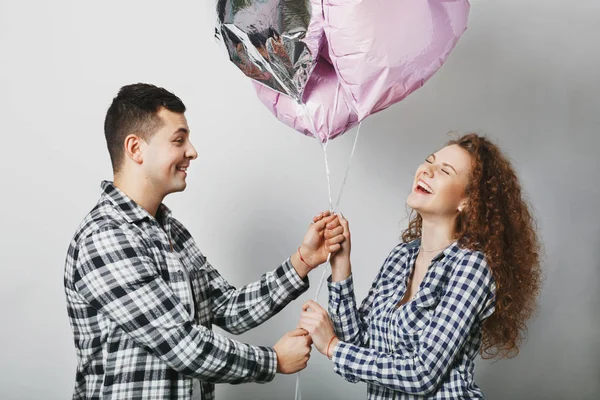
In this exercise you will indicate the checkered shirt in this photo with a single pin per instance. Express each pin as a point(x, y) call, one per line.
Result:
point(424, 349)
point(142, 298)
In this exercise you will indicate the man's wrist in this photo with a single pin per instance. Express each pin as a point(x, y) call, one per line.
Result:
point(302, 269)
point(311, 257)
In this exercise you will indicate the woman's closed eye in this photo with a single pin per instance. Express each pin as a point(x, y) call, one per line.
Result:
point(431, 162)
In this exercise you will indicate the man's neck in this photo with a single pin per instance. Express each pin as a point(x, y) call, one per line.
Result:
point(140, 191)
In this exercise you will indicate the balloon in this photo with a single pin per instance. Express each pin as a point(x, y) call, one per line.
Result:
point(274, 42)
point(383, 50)
point(322, 114)
point(346, 60)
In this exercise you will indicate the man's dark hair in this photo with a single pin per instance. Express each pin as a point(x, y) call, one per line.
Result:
point(135, 110)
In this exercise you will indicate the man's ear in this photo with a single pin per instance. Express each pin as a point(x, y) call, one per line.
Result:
point(133, 148)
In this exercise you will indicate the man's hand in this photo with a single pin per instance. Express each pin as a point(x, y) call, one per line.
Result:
point(324, 236)
point(293, 351)
point(340, 260)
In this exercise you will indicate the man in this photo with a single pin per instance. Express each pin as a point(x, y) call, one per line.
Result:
point(141, 296)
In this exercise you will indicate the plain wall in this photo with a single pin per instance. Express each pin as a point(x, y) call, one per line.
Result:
point(525, 73)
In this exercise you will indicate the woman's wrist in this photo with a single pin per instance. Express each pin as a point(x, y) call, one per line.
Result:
point(331, 347)
point(340, 271)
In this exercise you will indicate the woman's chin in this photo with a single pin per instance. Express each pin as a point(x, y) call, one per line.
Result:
point(413, 202)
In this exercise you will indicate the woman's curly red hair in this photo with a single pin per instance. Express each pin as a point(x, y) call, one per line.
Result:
point(497, 221)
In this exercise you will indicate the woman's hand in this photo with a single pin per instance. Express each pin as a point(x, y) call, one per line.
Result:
point(315, 320)
point(341, 268)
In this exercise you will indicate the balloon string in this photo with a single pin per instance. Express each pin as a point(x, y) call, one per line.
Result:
point(298, 392)
point(337, 203)
point(331, 206)
point(328, 174)
point(298, 395)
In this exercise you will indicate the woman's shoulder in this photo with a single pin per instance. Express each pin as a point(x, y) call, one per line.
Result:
point(473, 261)
point(402, 249)
point(399, 255)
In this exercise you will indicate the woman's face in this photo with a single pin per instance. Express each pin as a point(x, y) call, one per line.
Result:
point(440, 183)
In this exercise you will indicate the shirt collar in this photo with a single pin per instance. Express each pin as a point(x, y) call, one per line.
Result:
point(129, 208)
point(413, 248)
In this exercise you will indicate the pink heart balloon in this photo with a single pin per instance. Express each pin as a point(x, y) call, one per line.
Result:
point(321, 114)
point(375, 53)
point(383, 50)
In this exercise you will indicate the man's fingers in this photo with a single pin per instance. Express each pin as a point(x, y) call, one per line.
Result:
point(321, 216)
point(333, 222)
point(343, 222)
point(334, 248)
point(335, 240)
point(297, 332)
point(329, 233)
point(320, 225)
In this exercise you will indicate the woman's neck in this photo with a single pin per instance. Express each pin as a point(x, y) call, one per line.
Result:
point(436, 235)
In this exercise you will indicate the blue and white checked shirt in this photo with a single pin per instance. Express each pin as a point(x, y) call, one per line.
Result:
point(424, 349)
point(142, 298)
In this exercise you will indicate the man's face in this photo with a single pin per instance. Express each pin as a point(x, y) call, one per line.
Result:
point(168, 153)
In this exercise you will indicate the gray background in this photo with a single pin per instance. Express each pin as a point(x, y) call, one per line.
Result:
point(525, 73)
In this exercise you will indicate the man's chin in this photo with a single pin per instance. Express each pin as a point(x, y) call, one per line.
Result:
point(177, 188)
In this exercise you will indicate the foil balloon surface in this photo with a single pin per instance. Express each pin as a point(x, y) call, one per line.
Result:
point(322, 66)
point(274, 42)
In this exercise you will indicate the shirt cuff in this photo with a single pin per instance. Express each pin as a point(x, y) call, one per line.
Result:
point(269, 365)
point(287, 272)
point(338, 290)
point(341, 351)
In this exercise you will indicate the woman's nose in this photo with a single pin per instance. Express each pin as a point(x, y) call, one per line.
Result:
point(428, 170)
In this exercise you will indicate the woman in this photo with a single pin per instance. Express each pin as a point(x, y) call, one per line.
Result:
point(464, 280)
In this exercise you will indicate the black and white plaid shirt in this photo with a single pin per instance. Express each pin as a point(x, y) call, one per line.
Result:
point(424, 349)
point(142, 298)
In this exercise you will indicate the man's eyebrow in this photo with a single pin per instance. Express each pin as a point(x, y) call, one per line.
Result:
point(181, 130)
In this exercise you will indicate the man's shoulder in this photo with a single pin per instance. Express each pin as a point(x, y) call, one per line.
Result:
point(102, 216)
point(180, 230)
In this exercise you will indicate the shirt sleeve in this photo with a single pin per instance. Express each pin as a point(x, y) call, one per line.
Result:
point(469, 294)
point(116, 275)
point(238, 310)
point(351, 323)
